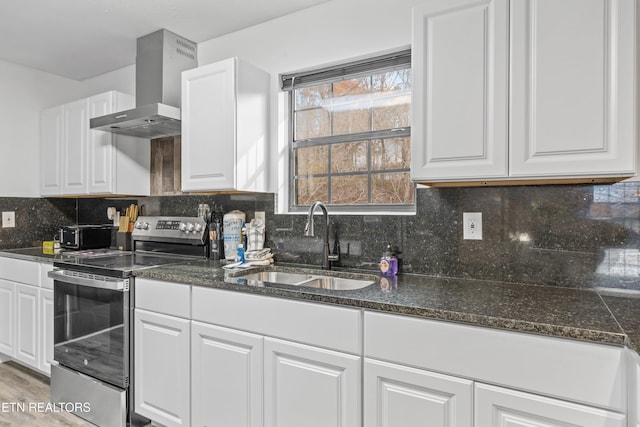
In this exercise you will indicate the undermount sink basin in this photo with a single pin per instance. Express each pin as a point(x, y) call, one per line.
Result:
point(276, 277)
point(336, 283)
point(306, 280)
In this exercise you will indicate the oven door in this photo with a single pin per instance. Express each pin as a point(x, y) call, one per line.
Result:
point(91, 325)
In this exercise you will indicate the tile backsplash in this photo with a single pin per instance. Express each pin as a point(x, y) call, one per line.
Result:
point(564, 235)
point(36, 220)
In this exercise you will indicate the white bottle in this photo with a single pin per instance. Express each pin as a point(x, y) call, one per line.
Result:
point(232, 224)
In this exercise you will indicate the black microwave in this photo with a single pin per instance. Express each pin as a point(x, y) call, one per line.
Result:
point(85, 236)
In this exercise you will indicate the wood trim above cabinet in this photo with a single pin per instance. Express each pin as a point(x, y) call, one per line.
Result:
point(510, 182)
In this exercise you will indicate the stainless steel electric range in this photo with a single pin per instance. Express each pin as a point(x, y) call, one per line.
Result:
point(93, 317)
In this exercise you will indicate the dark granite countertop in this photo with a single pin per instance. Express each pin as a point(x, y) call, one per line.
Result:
point(582, 314)
point(31, 254)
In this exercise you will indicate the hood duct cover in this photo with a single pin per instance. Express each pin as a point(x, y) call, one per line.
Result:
point(161, 57)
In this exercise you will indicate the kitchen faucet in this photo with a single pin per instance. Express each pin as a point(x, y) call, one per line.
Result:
point(309, 231)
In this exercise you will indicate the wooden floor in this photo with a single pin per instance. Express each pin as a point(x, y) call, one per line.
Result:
point(23, 398)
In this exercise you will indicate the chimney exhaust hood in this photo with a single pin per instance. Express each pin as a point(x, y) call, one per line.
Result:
point(161, 57)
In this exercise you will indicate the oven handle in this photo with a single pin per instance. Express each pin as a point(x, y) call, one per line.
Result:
point(91, 280)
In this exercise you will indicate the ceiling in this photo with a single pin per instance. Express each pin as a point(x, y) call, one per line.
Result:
point(80, 39)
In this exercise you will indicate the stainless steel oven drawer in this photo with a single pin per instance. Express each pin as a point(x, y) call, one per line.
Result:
point(96, 402)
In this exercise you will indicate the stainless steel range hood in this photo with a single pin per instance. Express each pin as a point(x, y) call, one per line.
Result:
point(161, 57)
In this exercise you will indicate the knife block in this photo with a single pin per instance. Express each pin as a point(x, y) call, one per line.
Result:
point(123, 241)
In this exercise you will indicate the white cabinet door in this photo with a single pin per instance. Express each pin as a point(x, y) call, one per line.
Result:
point(100, 156)
point(116, 164)
point(7, 315)
point(45, 353)
point(209, 127)
point(226, 377)
point(75, 160)
point(572, 87)
point(27, 324)
point(161, 364)
point(74, 147)
point(51, 135)
point(225, 127)
point(500, 407)
point(400, 396)
point(309, 386)
point(460, 90)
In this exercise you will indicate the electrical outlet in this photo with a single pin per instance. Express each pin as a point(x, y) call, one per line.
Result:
point(8, 219)
point(472, 223)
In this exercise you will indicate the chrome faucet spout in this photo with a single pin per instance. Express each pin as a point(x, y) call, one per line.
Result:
point(309, 231)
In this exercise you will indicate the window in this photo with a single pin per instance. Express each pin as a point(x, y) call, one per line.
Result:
point(350, 135)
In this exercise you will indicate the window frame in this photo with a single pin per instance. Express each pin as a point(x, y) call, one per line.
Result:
point(355, 69)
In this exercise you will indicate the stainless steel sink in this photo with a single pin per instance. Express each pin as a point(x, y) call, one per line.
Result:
point(274, 277)
point(336, 283)
point(306, 280)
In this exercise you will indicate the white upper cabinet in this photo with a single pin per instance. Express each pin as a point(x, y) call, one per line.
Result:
point(523, 89)
point(117, 164)
point(51, 151)
point(225, 127)
point(75, 125)
point(76, 160)
point(460, 90)
point(572, 87)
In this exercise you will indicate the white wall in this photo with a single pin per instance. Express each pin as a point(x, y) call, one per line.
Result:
point(336, 31)
point(122, 80)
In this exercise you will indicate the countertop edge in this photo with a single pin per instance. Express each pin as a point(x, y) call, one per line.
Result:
point(620, 338)
point(470, 319)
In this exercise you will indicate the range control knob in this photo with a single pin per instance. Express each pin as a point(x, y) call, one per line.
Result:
point(190, 227)
point(198, 227)
point(182, 226)
point(141, 225)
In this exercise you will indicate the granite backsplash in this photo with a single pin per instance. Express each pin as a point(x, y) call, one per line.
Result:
point(564, 235)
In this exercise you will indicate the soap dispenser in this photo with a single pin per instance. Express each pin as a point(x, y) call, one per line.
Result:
point(389, 262)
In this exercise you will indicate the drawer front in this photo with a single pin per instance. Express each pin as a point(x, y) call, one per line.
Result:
point(21, 271)
point(321, 325)
point(163, 297)
point(582, 372)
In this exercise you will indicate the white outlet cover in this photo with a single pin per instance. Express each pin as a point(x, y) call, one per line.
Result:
point(8, 219)
point(260, 215)
point(472, 225)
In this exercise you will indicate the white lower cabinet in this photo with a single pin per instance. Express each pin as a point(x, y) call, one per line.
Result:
point(162, 368)
point(26, 313)
point(7, 303)
point(45, 357)
point(401, 396)
point(226, 377)
point(501, 407)
point(309, 386)
point(27, 322)
point(223, 358)
point(253, 366)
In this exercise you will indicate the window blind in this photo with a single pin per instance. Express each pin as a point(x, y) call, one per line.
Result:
point(388, 61)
